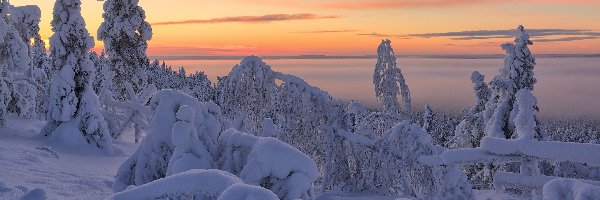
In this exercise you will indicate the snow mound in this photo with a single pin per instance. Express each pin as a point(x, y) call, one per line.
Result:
point(21, 192)
point(268, 162)
point(551, 150)
point(246, 192)
point(560, 189)
point(195, 184)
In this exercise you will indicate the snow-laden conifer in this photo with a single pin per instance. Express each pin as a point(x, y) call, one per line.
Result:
point(428, 119)
point(15, 57)
point(125, 34)
point(517, 74)
point(5, 95)
point(73, 115)
point(389, 81)
point(470, 130)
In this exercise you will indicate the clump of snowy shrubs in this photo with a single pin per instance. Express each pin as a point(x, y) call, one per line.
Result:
point(186, 134)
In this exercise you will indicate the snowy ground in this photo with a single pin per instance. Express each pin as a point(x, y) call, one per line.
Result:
point(65, 175)
point(27, 167)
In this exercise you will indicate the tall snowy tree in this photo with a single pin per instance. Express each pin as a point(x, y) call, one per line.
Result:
point(73, 103)
point(5, 94)
point(14, 56)
point(470, 130)
point(428, 119)
point(125, 34)
point(388, 80)
point(32, 91)
point(517, 74)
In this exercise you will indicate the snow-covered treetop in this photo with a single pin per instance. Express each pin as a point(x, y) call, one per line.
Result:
point(519, 62)
point(388, 79)
point(517, 74)
point(70, 35)
point(482, 92)
point(26, 20)
point(13, 52)
point(125, 30)
point(125, 34)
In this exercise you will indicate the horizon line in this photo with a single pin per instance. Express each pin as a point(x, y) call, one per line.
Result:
point(316, 57)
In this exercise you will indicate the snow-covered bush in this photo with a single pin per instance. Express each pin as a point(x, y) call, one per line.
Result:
point(388, 165)
point(247, 94)
point(560, 189)
point(132, 112)
point(125, 34)
point(196, 184)
point(151, 160)
point(388, 80)
point(269, 163)
point(517, 74)
point(307, 114)
point(189, 152)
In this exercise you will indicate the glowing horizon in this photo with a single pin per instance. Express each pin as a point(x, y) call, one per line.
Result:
point(268, 27)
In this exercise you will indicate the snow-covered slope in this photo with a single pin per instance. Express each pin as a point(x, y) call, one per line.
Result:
point(28, 162)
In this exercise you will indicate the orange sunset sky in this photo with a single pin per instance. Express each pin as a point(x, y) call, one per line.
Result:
point(354, 27)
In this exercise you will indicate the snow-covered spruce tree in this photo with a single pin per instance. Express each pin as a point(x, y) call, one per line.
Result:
point(517, 74)
point(26, 20)
point(15, 57)
point(125, 34)
point(428, 119)
point(41, 74)
point(247, 94)
point(104, 74)
point(389, 81)
point(470, 130)
point(73, 105)
point(5, 94)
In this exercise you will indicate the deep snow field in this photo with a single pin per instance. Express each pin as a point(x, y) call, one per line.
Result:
point(33, 168)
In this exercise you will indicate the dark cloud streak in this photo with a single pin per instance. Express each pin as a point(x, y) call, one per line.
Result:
point(538, 35)
point(327, 31)
point(250, 19)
